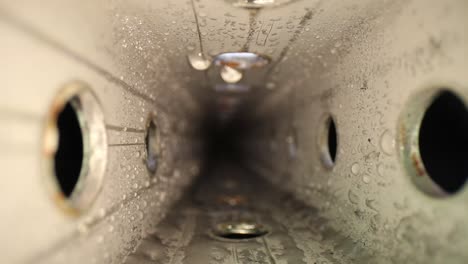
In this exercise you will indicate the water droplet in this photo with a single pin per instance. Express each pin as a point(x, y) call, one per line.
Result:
point(140, 215)
point(366, 179)
point(370, 203)
point(255, 3)
point(292, 148)
point(102, 212)
point(355, 168)
point(387, 142)
point(199, 62)
point(353, 198)
point(381, 169)
point(270, 85)
point(83, 228)
point(176, 174)
point(230, 75)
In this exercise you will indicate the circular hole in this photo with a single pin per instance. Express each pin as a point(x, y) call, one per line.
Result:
point(332, 141)
point(328, 142)
point(153, 145)
point(75, 148)
point(69, 156)
point(443, 141)
point(239, 230)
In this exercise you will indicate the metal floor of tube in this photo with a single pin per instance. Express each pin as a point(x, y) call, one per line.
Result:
point(229, 194)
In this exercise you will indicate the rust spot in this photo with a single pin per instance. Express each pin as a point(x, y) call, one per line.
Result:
point(62, 202)
point(232, 200)
point(231, 64)
point(418, 165)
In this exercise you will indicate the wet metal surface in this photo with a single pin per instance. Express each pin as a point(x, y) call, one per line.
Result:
point(297, 234)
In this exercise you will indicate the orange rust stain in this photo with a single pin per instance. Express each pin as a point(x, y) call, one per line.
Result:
point(62, 203)
point(418, 165)
point(232, 200)
point(231, 64)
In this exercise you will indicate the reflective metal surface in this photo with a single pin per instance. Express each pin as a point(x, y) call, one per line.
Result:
point(326, 132)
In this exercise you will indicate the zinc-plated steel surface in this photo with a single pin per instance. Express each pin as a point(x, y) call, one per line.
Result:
point(373, 66)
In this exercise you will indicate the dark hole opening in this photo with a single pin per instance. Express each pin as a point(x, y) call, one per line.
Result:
point(332, 139)
point(69, 155)
point(152, 147)
point(240, 230)
point(443, 142)
point(223, 139)
point(239, 236)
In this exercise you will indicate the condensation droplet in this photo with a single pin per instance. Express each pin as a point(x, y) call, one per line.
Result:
point(270, 85)
point(140, 215)
point(366, 179)
point(254, 3)
point(381, 169)
point(102, 212)
point(370, 203)
point(353, 198)
point(199, 62)
point(83, 228)
point(355, 168)
point(230, 75)
point(387, 142)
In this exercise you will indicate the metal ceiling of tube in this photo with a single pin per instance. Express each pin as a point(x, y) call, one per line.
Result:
point(336, 94)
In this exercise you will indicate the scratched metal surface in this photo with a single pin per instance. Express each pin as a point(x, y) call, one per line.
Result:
point(361, 61)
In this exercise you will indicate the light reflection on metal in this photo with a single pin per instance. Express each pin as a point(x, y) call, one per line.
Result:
point(241, 60)
point(232, 87)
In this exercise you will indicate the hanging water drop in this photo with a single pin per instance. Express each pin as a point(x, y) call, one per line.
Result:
point(230, 75)
point(199, 62)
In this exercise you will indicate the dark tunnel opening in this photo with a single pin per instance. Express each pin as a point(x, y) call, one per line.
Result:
point(222, 137)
